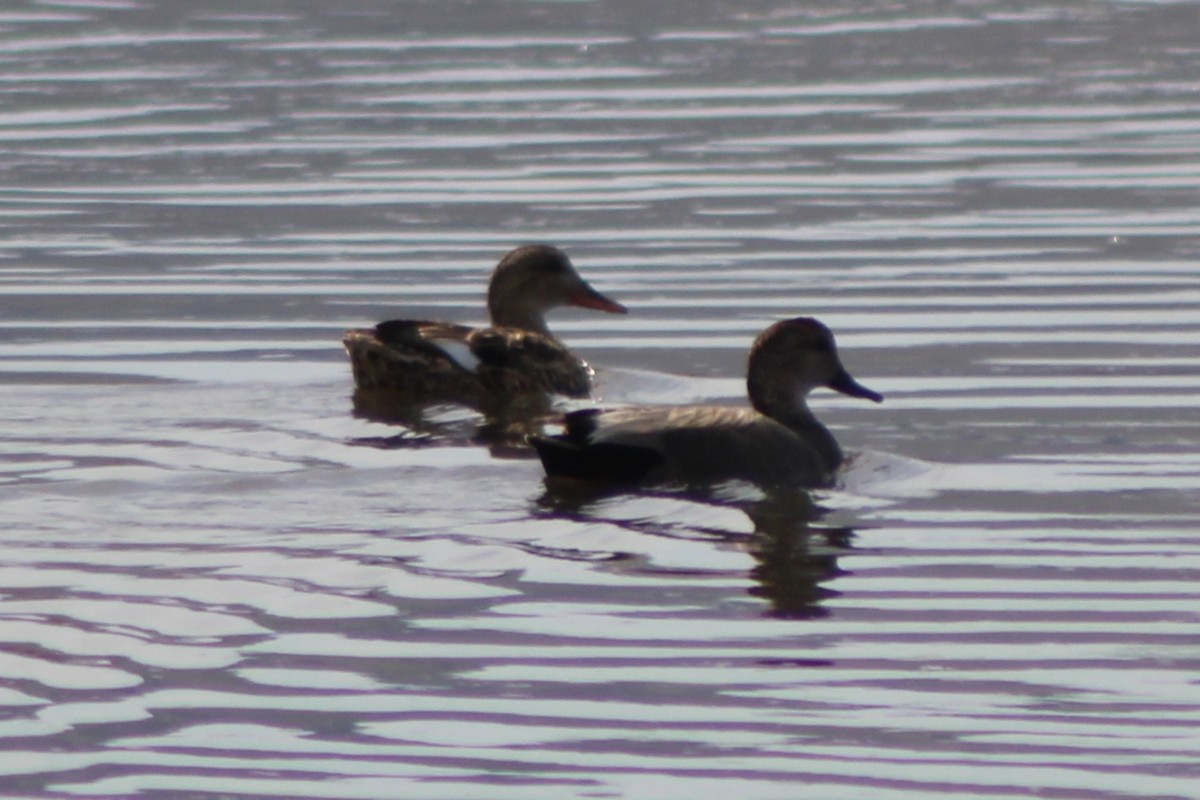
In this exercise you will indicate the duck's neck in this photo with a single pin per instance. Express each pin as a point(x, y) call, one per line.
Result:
point(790, 410)
point(514, 316)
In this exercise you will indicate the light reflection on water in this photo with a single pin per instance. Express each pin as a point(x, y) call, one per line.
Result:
point(216, 577)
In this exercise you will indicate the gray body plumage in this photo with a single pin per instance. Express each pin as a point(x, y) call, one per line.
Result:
point(778, 442)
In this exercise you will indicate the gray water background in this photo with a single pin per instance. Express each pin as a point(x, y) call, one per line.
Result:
point(216, 580)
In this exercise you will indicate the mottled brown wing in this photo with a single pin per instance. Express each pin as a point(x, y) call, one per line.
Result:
point(413, 356)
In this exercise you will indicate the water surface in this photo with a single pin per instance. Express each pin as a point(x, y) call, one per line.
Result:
point(215, 579)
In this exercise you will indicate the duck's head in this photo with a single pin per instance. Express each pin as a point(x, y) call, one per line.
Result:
point(531, 280)
point(790, 359)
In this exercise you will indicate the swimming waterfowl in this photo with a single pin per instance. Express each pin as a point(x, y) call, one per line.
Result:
point(777, 442)
point(427, 361)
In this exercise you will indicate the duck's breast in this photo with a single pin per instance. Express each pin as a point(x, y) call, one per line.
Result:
point(517, 361)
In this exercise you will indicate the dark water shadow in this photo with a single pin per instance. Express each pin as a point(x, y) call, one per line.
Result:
point(795, 557)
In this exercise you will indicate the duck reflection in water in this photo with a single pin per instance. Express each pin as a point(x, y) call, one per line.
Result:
point(794, 555)
point(778, 446)
point(509, 371)
point(504, 429)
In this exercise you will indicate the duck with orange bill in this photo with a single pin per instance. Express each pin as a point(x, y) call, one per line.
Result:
point(443, 362)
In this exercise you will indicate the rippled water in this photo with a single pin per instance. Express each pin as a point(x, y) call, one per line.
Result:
point(216, 580)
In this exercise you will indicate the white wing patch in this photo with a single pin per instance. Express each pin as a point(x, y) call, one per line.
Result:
point(459, 352)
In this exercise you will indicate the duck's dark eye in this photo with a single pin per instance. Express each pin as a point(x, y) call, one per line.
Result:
point(823, 345)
